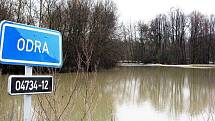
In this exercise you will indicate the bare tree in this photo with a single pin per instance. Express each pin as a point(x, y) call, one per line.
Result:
point(178, 24)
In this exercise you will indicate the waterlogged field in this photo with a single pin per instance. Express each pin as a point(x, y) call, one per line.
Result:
point(121, 94)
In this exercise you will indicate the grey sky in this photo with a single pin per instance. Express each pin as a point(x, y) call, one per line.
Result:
point(134, 10)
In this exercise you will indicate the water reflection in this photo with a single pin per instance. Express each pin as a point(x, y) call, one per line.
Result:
point(121, 94)
point(10, 108)
point(183, 94)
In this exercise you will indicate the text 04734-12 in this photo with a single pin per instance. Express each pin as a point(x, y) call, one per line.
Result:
point(31, 85)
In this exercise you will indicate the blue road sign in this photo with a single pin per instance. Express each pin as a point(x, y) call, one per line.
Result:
point(29, 45)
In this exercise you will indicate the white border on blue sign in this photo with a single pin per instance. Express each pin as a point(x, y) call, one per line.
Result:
point(31, 28)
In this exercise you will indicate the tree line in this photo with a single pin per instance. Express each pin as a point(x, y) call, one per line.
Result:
point(173, 38)
point(87, 27)
point(94, 39)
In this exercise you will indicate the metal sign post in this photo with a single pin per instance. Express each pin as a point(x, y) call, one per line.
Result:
point(27, 98)
point(29, 46)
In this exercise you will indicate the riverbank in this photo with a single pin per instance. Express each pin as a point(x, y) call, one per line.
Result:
point(201, 66)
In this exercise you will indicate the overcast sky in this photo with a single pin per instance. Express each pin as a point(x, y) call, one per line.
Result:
point(134, 10)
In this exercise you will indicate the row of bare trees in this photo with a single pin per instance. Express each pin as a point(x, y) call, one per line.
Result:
point(173, 38)
point(93, 39)
point(87, 27)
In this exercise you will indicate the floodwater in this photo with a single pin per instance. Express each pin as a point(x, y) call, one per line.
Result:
point(121, 94)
